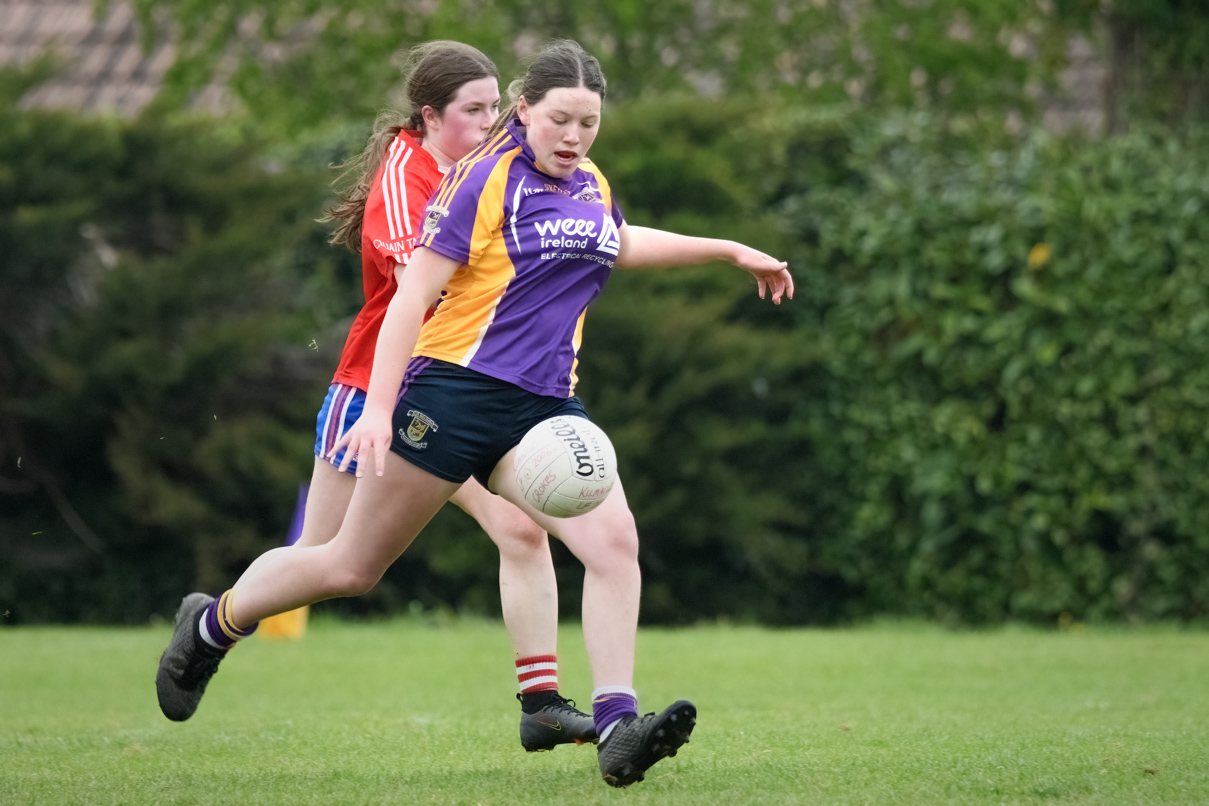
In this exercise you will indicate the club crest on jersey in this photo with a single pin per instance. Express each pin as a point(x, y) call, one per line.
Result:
point(419, 427)
point(588, 194)
point(432, 218)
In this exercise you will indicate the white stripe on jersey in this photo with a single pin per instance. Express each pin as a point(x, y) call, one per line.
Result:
point(390, 190)
point(396, 149)
point(516, 207)
point(401, 193)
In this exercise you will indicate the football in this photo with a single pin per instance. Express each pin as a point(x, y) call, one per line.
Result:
point(565, 466)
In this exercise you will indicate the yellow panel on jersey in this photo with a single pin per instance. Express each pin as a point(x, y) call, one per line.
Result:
point(535, 251)
point(468, 304)
point(576, 341)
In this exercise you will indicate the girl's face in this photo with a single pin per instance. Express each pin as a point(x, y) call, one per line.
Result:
point(461, 127)
point(561, 128)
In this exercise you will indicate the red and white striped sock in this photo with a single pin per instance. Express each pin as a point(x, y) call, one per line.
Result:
point(537, 673)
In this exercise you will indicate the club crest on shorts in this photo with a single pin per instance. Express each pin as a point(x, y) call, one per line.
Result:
point(418, 428)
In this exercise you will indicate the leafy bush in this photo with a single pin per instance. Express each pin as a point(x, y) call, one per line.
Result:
point(156, 383)
point(988, 400)
point(1012, 416)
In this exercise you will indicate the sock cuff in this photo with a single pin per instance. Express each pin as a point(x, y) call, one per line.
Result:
point(537, 673)
point(611, 704)
point(227, 624)
point(533, 660)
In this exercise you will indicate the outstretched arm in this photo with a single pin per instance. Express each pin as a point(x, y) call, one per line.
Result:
point(419, 286)
point(646, 248)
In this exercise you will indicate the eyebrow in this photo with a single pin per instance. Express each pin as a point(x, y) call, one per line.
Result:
point(564, 113)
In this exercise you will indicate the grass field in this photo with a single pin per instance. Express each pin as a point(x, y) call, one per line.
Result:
point(410, 711)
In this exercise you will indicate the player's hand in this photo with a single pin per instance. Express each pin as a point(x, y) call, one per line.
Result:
point(771, 275)
point(369, 436)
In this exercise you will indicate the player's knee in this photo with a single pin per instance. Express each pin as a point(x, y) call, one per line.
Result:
point(612, 541)
point(623, 541)
point(350, 579)
point(518, 534)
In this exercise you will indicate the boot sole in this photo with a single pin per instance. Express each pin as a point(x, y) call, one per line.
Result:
point(670, 733)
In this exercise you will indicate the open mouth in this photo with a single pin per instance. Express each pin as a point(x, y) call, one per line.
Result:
point(567, 156)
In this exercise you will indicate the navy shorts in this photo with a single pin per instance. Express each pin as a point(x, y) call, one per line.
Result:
point(457, 423)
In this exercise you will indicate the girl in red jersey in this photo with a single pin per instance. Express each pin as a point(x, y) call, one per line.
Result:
point(498, 357)
point(453, 90)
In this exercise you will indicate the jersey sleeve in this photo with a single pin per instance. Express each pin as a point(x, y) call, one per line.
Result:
point(395, 207)
point(466, 210)
point(615, 211)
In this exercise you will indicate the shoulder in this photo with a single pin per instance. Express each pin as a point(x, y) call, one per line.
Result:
point(483, 170)
point(587, 166)
point(406, 158)
point(591, 184)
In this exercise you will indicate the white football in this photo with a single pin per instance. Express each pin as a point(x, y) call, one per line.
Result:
point(565, 466)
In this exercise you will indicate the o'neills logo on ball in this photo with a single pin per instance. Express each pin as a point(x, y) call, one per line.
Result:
point(565, 431)
point(419, 427)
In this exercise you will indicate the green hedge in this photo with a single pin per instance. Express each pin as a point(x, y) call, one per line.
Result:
point(155, 385)
point(1013, 407)
point(988, 401)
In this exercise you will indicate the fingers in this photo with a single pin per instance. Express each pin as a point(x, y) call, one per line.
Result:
point(772, 276)
point(349, 454)
point(341, 443)
point(379, 458)
point(779, 283)
point(360, 448)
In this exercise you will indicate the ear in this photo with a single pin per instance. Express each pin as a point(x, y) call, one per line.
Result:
point(432, 119)
point(522, 110)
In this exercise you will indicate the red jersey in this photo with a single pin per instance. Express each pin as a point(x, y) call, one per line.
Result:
point(389, 232)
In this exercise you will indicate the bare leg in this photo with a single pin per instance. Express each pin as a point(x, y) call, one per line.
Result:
point(528, 587)
point(606, 541)
point(326, 502)
point(384, 516)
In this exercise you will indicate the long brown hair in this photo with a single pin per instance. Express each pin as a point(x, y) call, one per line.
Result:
point(434, 71)
point(560, 63)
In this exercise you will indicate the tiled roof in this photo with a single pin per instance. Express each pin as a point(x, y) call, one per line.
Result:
point(105, 69)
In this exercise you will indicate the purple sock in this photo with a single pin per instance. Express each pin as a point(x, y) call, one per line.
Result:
point(216, 627)
point(611, 703)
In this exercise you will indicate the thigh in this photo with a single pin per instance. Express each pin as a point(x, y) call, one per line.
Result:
point(326, 502)
point(602, 530)
point(386, 513)
point(496, 515)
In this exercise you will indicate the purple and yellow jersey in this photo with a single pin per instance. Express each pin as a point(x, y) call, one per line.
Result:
point(535, 251)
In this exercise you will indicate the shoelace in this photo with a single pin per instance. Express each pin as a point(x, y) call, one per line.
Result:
point(201, 667)
point(563, 704)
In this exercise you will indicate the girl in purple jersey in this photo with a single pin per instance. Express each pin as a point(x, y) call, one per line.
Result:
point(460, 418)
point(453, 90)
